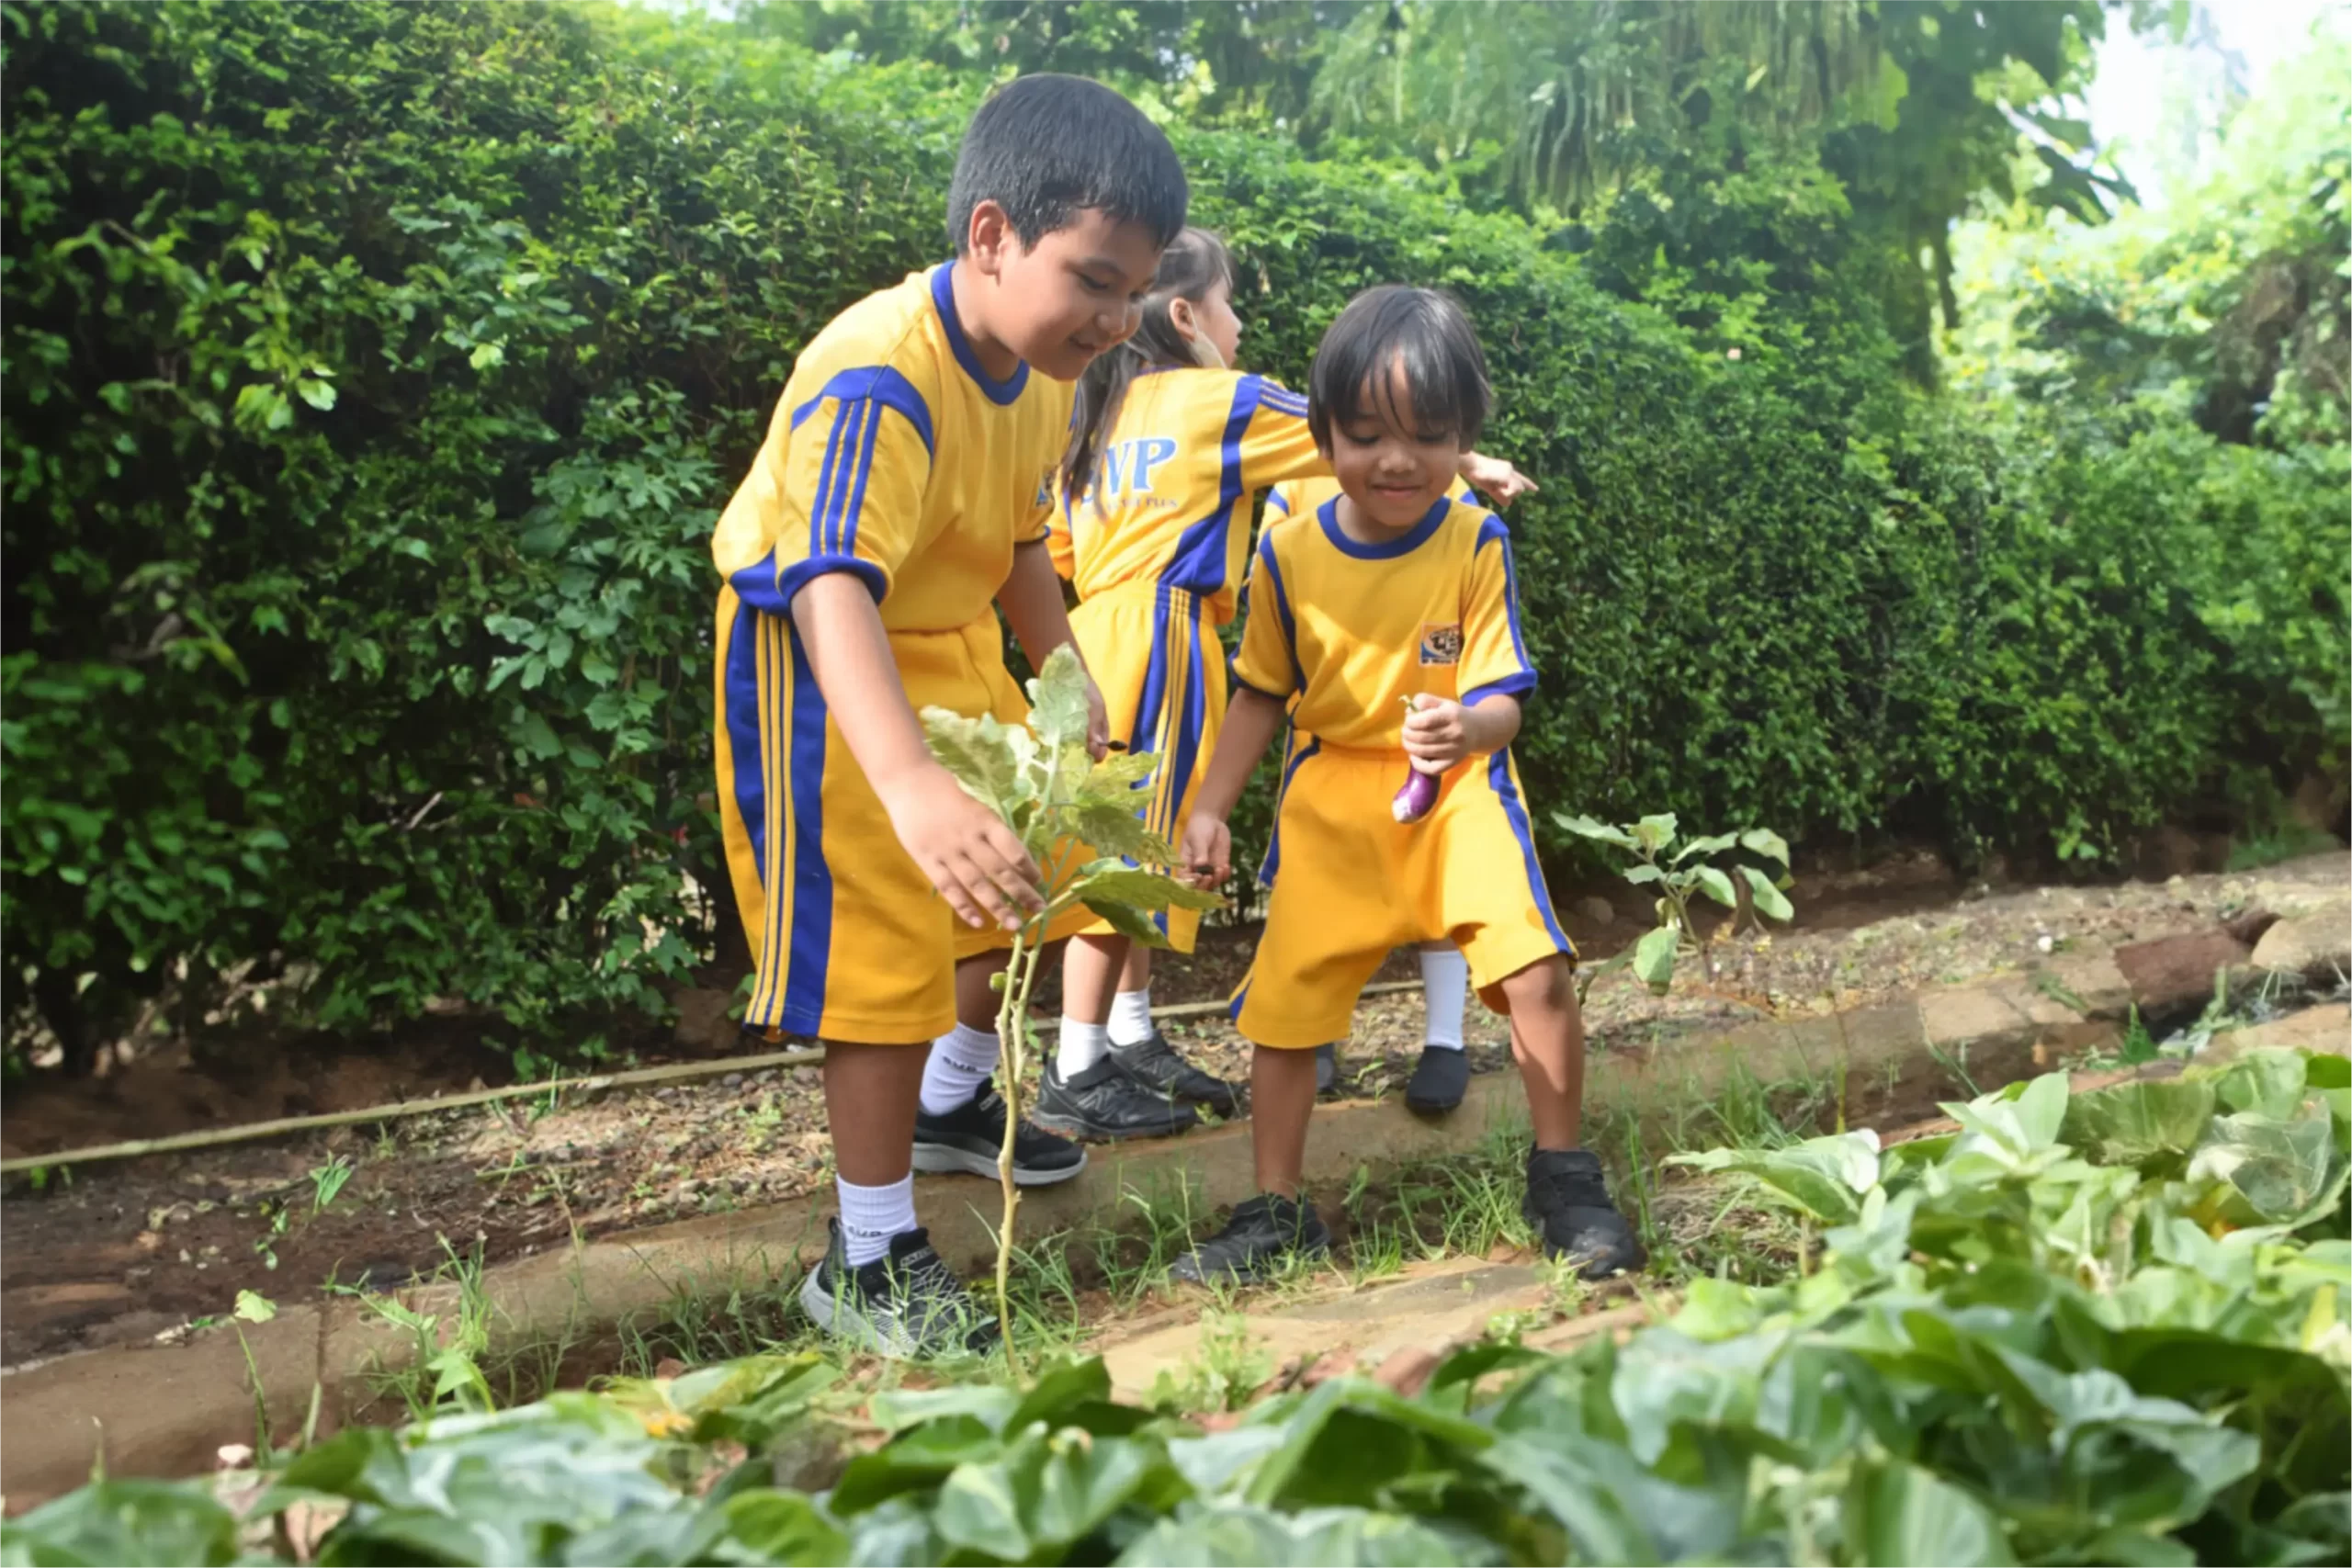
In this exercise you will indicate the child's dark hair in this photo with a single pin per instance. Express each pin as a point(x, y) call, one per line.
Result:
point(1046, 148)
point(1192, 267)
point(1427, 335)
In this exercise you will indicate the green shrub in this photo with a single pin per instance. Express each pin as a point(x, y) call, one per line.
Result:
point(374, 374)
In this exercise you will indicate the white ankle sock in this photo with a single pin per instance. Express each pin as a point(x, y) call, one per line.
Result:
point(1445, 987)
point(872, 1215)
point(1082, 1045)
point(1131, 1017)
point(961, 1060)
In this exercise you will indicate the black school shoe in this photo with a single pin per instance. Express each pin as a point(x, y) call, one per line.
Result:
point(1104, 1102)
point(1567, 1206)
point(969, 1138)
point(1154, 1063)
point(906, 1305)
point(1439, 1080)
point(1262, 1235)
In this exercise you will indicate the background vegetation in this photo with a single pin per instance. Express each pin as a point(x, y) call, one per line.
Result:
point(374, 373)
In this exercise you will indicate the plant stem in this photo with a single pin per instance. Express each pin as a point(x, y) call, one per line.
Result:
point(1012, 1037)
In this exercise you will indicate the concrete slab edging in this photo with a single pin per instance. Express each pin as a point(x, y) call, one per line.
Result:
point(164, 1410)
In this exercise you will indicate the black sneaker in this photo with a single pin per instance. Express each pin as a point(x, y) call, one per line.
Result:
point(1255, 1242)
point(1439, 1080)
point(906, 1305)
point(1155, 1064)
point(1327, 1070)
point(969, 1138)
point(1104, 1102)
point(1569, 1207)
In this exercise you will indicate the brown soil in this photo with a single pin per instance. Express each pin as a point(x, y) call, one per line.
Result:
point(125, 1251)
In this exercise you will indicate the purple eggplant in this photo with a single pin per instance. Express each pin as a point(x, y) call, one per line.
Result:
point(1416, 797)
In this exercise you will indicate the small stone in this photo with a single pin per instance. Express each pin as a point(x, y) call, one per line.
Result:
point(1597, 911)
point(147, 1241)
point(669, 1367)
point(234, 1456)
point(732, 1080)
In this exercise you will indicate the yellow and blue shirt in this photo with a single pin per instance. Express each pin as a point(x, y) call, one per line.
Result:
point(1346, 631)
point(852, 476)
point(1171, 505)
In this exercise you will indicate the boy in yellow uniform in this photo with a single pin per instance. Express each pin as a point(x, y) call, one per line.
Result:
point(904, 487)
point(1392, 597)
point(1442, 1077)
point(1168, 448)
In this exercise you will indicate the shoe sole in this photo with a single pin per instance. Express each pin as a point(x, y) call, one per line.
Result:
point(1070, 1127)
point(947, 1158)
point(1431, 1107)
point(1247, 1275)
point(844, 1322)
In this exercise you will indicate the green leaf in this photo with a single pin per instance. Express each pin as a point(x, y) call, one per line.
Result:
point(982, 755)
point(1653, 957)
point(1715, 885)
point(1655, 832)
point(255, 1307)
point(2282, 1169)
point(320, 395)
point(1765, 842)
point(1766, 898)
point(2151, 1125)
point(1584, 827)
point(1058, 707)
point(1638, 874)
point(780, 1526)
point(1713, 844)
point(537, 736)
point(1043, 1495)
point(1114, 778)
point(2023, 1120)
point(1826, 1177)
point(1115, 831)
point(1108, 881)
point(1903, 1516)
point(125, 1521)
point(2268, 1081)
point(1133, 924)
point(1224, 1534)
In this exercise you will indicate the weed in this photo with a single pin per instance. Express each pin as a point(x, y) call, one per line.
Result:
point(327, 1183)
point(1955, 1064)
point(1226, 1369)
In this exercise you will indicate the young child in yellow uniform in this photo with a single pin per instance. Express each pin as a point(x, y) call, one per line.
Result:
point(904, 486)
point(1442, 1077)
point(1392, 596)
point(1168, 446)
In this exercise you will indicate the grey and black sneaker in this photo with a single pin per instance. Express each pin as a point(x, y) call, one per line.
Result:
point(1439, 1080)
point(1262, 1235)
point(1327, 1070)
point(1104, 1102)
point(1154, 1063)
point(1567, 1205)
point(969, 1138)
point(906, 1305)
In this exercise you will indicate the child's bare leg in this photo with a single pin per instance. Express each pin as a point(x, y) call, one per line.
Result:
point(1547, 1041)
point(1281, 1099)
point(1093, 972)
point(870, 1108)
point(1135, 974)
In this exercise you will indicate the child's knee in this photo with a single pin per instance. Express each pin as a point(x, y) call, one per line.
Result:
point(1548, 985)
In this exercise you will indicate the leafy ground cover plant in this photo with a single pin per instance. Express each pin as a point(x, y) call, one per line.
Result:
point(2096, 1327)
point(1681, 878)
point(1077, 819)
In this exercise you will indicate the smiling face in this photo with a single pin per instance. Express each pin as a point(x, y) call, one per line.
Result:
point(1059, 303)
point(1392, 469)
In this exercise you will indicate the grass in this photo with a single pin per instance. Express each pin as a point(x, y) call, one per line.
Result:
point(2290, 841)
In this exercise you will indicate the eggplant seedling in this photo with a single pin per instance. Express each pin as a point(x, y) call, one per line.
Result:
point(1081, 821)
point(1678, 884)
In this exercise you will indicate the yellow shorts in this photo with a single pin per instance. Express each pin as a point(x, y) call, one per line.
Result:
point(1354, 884)
point(852, 941)
point(1161, 671)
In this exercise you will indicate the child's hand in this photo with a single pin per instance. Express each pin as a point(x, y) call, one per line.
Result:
point(1497, 481)
point(1208, 851)
point(1438, 733)
point(966, 849)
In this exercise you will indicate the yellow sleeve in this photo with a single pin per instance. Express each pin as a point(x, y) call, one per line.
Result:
point(1494, 657)
point(1267, 661)
point(1282, 500)
point(838, 486)
point(1267, 437)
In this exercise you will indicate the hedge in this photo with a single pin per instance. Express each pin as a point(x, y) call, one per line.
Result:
point(374, 374)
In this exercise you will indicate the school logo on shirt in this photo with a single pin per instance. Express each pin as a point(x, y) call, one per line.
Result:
point(1441, 644)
